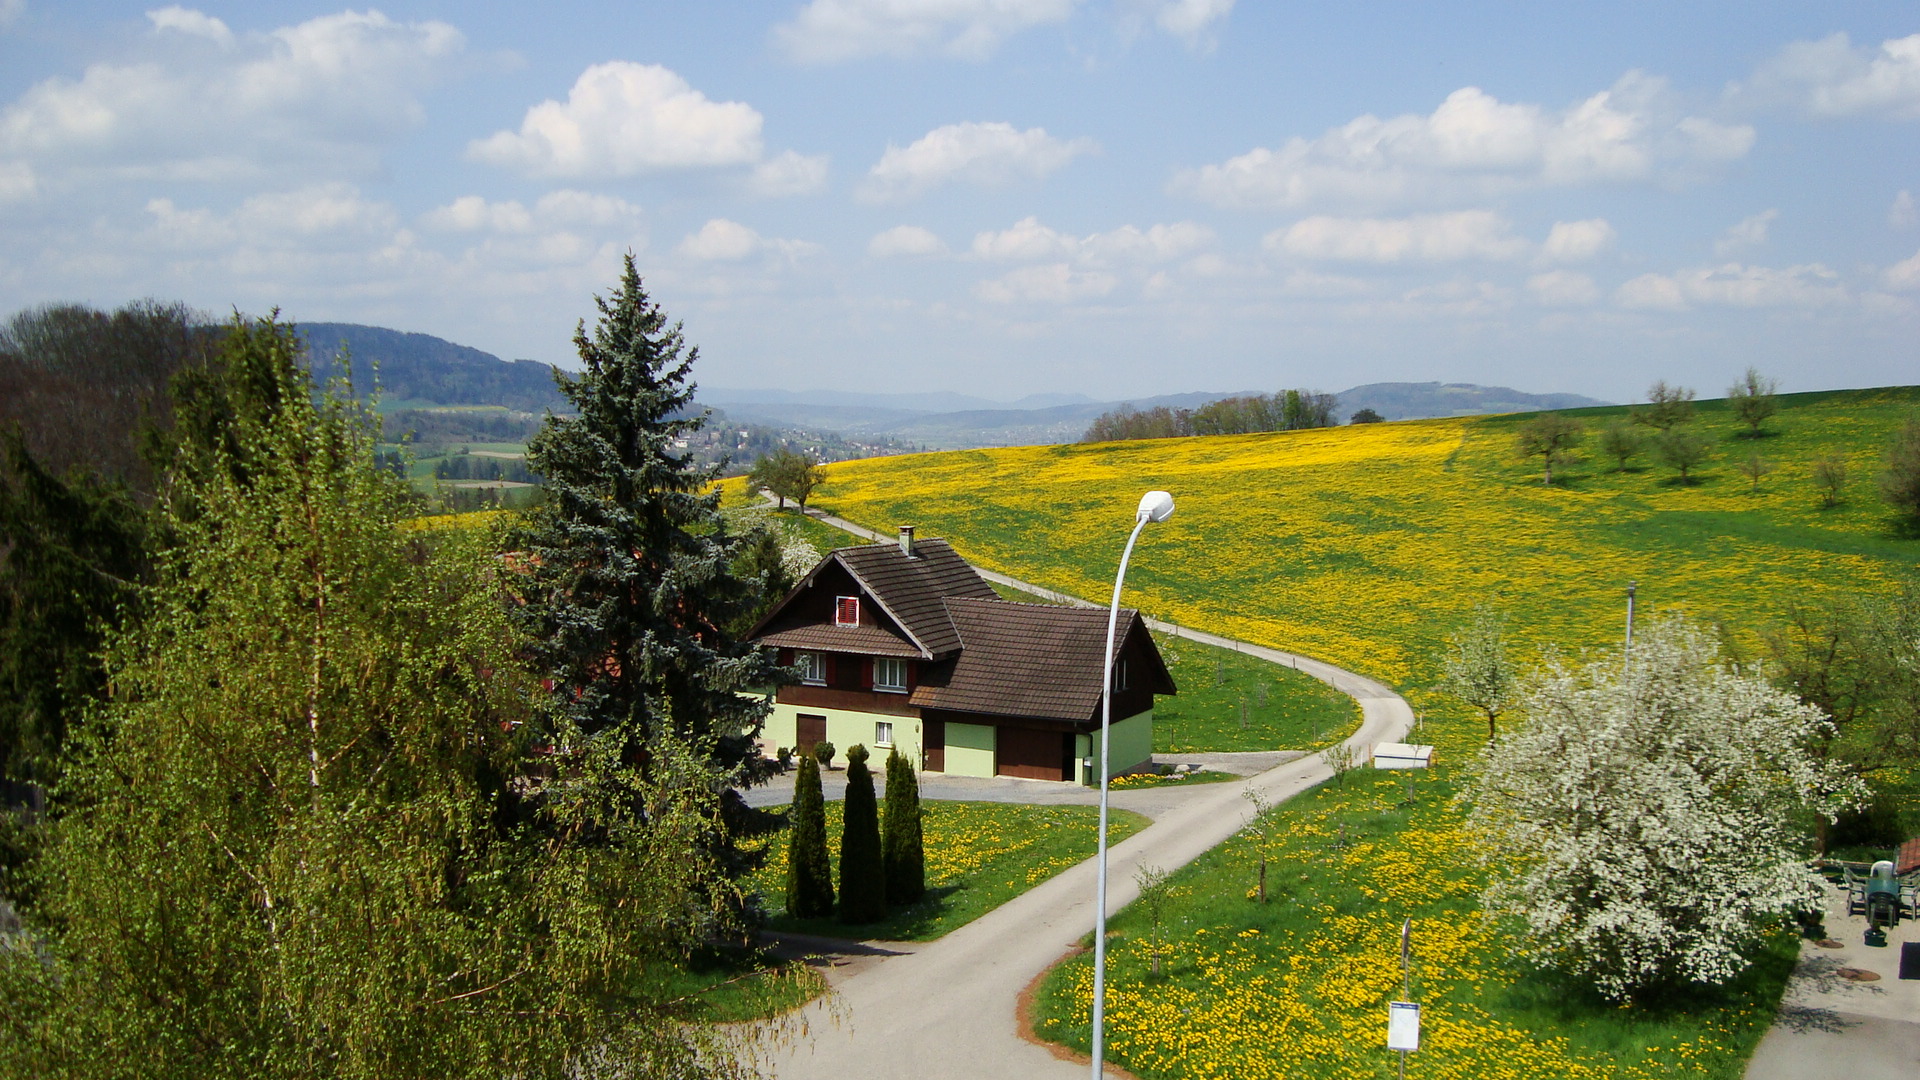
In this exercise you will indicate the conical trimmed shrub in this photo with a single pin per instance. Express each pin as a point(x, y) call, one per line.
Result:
point(863, 880)
point(809, 875)
point(901, 848)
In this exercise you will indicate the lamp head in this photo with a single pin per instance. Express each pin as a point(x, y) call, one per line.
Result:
point(1155, 506)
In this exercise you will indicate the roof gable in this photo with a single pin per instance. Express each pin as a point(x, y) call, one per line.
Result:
point(911, 592)
point(1037, 660)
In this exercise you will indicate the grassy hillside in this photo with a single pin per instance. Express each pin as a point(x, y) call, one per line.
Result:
point(1366, 545)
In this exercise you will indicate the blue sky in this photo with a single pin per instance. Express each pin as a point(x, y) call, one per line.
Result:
point(1004, 197)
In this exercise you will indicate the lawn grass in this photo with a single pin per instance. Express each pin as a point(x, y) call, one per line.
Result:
point(979, 856)
point(1229, 702)
point(1299, 986)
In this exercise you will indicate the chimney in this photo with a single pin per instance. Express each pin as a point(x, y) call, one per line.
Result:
point(906, 542)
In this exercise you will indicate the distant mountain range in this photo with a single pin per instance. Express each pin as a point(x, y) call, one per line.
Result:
point(420, 369)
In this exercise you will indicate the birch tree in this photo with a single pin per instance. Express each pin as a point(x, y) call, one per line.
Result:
point(1642, 826)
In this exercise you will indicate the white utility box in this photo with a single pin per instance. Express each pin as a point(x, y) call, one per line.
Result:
point(1399, 755)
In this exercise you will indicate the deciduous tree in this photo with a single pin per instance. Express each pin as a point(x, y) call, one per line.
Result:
point(1641, 824)
point(1476, 667)
point(1829, 477)
point(1620, 442)
point(1754, 468)
point(1682, 450)
point(1667, 407)
point(1753, 401)
point(1900, 483)
point(1550, 437)
point(308, 836)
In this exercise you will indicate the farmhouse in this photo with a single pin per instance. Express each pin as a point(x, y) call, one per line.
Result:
point(906, 647)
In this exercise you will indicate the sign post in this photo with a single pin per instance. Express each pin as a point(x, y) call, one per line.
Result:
point(1403, 1017)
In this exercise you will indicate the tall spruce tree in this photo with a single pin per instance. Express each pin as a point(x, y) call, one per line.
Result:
point(863, 878)
point(626, 582)
point(286, 853)
point(901, 845)
point(809, 875)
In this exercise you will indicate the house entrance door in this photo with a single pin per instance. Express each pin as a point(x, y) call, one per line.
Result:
point(809, 731)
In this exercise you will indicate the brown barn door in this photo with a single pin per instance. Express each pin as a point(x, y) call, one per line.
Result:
point(1033, 754)
point(809, 732)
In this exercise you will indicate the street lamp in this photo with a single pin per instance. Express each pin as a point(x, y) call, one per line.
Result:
point(1154, 506)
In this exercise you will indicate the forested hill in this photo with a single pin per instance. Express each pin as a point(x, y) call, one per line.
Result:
point(1412, 401)
point(421, 368)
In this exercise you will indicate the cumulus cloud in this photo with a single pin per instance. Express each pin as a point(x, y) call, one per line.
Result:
point(1745, 235)
point(472, 213)
point(1465, 234)
point(789, 173)
point(1832, 77)
point(203, 103)
point(1901, 214)
point(829, 31)
point(1575, 241)
point(978, 153)
point(1052, 283)
point(1563, 288)
point(1903, 276)
point(1734, 285)
point(1475, 145)
point(319, 217)
point(909, 241)
point(721, 240)
point(1028, 240)
point(625, 119)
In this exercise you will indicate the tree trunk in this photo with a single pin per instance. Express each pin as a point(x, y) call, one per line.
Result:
point(1263, 879)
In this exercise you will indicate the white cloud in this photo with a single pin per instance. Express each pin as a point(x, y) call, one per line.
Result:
point(1053, 283)
point(624, 119)
point(1325, 286)
point(1831, 77)
point(1574, 241)
point(11, 10)
point(1192, 21)
point(17, 182)
point(1563, 288)
point(1745, 235)
point(721, 240)
point(1901, 214)
point(910, 241)
point(1903, 276)
point(979, 153)
point(1474, 145)
point(1734, 285)
point(789, 173)
point(319, 217)
point(206, 104)
point(471, 213)
point(828, 31)
point(1465, 234)
point(1026, 240)
point(188, 21)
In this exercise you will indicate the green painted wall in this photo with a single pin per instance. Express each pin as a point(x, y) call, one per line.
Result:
point(970, 749)
point(844, 728)
point(1130, 742)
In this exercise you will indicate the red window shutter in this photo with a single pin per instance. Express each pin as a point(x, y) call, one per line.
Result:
point(846, 611)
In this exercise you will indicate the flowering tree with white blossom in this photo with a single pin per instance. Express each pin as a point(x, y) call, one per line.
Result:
point(1641, 822)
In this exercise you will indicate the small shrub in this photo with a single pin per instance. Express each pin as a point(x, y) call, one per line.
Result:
point(823, 753)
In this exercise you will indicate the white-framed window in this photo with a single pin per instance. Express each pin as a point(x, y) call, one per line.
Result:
point(846, 611)
point(813, 668)
point(883, 733)
point(889, 674)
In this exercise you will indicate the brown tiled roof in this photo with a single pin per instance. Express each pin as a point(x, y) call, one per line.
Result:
point(910, 592)
point(1034, 660)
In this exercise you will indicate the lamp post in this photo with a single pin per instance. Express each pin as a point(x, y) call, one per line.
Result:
point(1154, 506)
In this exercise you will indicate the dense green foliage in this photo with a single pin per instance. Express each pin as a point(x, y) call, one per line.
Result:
point(863, 875)
point(307, 833)
point(625, 571)
point(902, 845)
point(1900, 483)
point(809, 876)
point(1550, 437)
point(789, 474)
point(1288, 410)
point(421, 368)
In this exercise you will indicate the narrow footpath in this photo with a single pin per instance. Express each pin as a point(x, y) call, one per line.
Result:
point(949, 1008)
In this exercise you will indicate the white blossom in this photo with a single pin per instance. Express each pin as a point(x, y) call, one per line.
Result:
point(1641, 823)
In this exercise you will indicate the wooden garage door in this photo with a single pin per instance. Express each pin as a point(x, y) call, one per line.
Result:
point(1036, 755)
